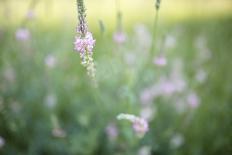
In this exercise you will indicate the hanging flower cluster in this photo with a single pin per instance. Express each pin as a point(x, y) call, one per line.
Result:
point(140, 125)
point(84, 41)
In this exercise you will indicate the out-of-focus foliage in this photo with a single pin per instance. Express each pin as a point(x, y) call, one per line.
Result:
point(48, 104)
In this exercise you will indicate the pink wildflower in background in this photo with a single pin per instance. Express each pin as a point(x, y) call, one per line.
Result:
point(193, 100)
point(84, 42)
point(112, 131)
point(22, 34)
point(139, 125)
point(160, 61)
point(30, 14)
point(119, 37)
point(50, 61)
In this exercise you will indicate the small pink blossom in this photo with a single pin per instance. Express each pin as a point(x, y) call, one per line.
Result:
point(119, 37)
point(193, 100)
point(30, 15)
point(160, 61)
point(22, 34)
point(139, 125)
point(112, 131)
point(84, 44)
point(50, 61)
point(146, 96)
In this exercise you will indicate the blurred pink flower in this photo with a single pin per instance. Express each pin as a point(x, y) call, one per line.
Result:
point(160, 61)
point(139, 125)
point(30, 14)
point(119, 37)
point(168, 87)
point(112, 131)
point(193, 100)
point(50, 61)
point(146, 96)
point(2, 142)
point(85, 43)
point(22, 34)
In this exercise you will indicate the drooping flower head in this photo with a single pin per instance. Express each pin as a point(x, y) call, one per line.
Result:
point(139, 125)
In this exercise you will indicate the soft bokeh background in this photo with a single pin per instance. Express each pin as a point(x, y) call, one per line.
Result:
point(49, 106)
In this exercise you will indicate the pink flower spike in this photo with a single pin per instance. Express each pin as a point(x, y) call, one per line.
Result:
point(86, 43)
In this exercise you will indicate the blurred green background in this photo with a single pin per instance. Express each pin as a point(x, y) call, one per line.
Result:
point(48, 105)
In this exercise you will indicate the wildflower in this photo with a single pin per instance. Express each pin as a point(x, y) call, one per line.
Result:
point(112, 131)
point(84, 41)
point(119, 37)
point(30, 15)
point(50, 61)
point(22, 34)
point(2, 142)
point(84, 44)
point(193, 100)
point(160, 61)
point(140, 125)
